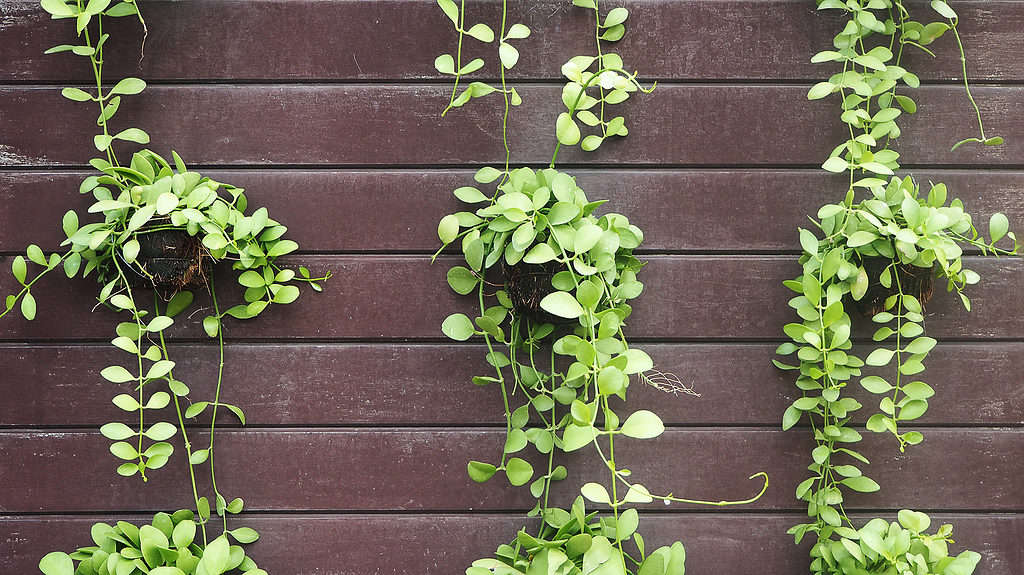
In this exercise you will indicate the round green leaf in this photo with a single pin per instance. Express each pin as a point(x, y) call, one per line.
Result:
point(566, 130)
point(448, 228)
point(518, 471)
point(480, 471)
point(57, 563)
point(562, 304)
point(643, 424)
point(458, 327)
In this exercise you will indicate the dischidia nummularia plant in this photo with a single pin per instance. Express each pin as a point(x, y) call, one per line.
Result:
point(553, 278)
point(876, 254)
point(161, 228)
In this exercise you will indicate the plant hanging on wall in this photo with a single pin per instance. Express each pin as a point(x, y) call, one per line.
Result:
point(162, 229)
point(874, 255)
point(553, 279)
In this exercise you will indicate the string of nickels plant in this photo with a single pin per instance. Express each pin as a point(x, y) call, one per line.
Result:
point(149, 196)
point(542, 220)
point(865, 254)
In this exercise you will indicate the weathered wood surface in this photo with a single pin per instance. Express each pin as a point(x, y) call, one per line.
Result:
point(329, 384)
point(424, 470)
point(356, 544)
point(680, 211)
point(372, 297)
point(384, 40)
point(681, 125)
point(361, 416)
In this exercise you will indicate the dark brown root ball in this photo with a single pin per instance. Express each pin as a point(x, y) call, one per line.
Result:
point(170, 259)
point(913, 280)
point(526, 285)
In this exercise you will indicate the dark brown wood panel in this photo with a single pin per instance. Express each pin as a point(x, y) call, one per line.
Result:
point(398, 39)
point(424, 469)
point(361, 544)
point(371, 297)
point(679, 210)
point(691, 125)
point(339, 384)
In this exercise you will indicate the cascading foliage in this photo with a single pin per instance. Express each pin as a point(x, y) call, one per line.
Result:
point(136, 202)
point(877, 250)
point(553, 326)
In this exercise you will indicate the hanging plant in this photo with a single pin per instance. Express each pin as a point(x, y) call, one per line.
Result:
point(875, 252)
point(161, 228)
point(553, 279)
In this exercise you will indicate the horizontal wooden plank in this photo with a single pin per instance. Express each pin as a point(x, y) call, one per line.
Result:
point(679, 210)
point(370, 297)
point(341, 40)
point(446, 544)
point(703, 125)
point(424, 469)
point(394, 384)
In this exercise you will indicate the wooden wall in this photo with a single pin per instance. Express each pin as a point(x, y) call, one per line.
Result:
point(362, 416)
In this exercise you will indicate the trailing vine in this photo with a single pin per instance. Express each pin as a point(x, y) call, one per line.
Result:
point(163, 228)
point(554, 327)
point(877, 254)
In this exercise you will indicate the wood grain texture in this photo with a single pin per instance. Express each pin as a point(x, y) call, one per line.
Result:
point(360, 544)
point(424, 469)
point(299, 40)
point(398, 384)
point(373, 297)
point(679, 210)
point(681, 125)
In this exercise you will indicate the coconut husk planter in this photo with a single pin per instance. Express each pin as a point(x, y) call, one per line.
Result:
point(173, 259)
point(527, 284)
point(914, 280)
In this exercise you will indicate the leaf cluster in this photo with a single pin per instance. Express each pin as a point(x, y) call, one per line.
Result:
point(578, 542)
point(902, 546)
point(595, 83)
point(451, 65)
point(167, 546)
